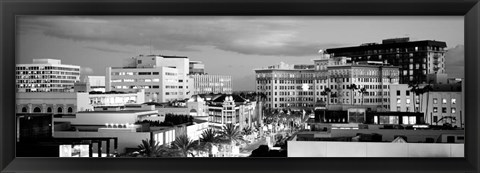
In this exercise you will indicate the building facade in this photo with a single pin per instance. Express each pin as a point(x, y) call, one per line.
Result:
point(287, 86)
point(232, 109)
point(95, 83)
point(416, 59)
point(442, 104)
point(216, 84)
point(46, 75)
point(71, 103)
point(196, 67)
point(164, 78)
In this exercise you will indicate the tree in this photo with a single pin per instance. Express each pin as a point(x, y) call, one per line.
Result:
point(326, 92)
point(247, 130)
point(185, 145)
point(150, 148)
point(231, 133)
point(352, 87)
point(414, 88)
point(209, 138)
point(427, 89)
point(363, 91)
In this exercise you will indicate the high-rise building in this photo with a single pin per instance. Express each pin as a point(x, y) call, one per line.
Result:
point(343, 84)
point(164, 78)
point(206, 84)
point(46, 75)
point(196, 67)
point(287, 86)
point(416, 59)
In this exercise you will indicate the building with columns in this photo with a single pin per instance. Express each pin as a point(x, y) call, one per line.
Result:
point(216, 84)
point(70, 103)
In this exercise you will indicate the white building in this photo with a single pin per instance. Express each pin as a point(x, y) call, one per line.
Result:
point(328, 80)
point(443, 104)
point(46, 75)
point(70, 103)
point(286, 86)
point(164, 78)
point(217, 84)
point(96, 83)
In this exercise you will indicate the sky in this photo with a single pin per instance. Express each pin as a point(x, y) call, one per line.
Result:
point(227, 45)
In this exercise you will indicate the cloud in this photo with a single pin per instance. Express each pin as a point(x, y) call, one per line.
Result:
point(455, 61)
point(86, 70)
point(247, 35)
point(107, 49)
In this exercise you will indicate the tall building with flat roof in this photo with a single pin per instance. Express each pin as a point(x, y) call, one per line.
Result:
point(46, 75)
point(164, 78)
point(287, 86)
point(206, 84)
point(416, 59)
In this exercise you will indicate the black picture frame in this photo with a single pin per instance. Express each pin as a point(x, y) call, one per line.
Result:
point(470, 9)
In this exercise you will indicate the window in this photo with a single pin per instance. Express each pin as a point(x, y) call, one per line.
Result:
point(408, 101)
point(49, 109)
point(454, 110)
point(444, 101)
point(139, 61)
point(398, 108)
point(407, 93)
point(435, 109)
point(444, 110)
point(59, 110)
point(399, 101)
point(454, 101)
point(435, 100)
point(70, 110)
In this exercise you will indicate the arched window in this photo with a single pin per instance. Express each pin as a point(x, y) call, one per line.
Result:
point(70, 110)
point(24, 109)
point(37, 109)
point(59, 110)
point(49, 110)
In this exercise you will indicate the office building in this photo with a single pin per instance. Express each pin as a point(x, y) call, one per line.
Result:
point(416, 59)
point(46, 75)
point(287, 86)
point(216, 84)
point(196, 67)
point(164, 78)
point(442, 104)
point(95, 83)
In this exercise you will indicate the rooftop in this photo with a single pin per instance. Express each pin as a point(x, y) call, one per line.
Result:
point(120, 112)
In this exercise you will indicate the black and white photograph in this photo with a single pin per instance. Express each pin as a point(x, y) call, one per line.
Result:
point(240, 86)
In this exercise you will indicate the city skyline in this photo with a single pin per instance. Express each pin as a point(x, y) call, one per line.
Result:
point(226, 45)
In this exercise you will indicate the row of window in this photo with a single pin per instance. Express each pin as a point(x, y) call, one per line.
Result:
point(49, 110)
point(47, 68)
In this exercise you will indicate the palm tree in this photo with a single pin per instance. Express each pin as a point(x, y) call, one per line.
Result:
point(326, 92)
point(415, 90)
point(209, 138)
point(247, 130)
point(185, 145)
point(352, 87)
point(150, 148)
point(230, 133)
point(363, 91)
point(427, 89)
